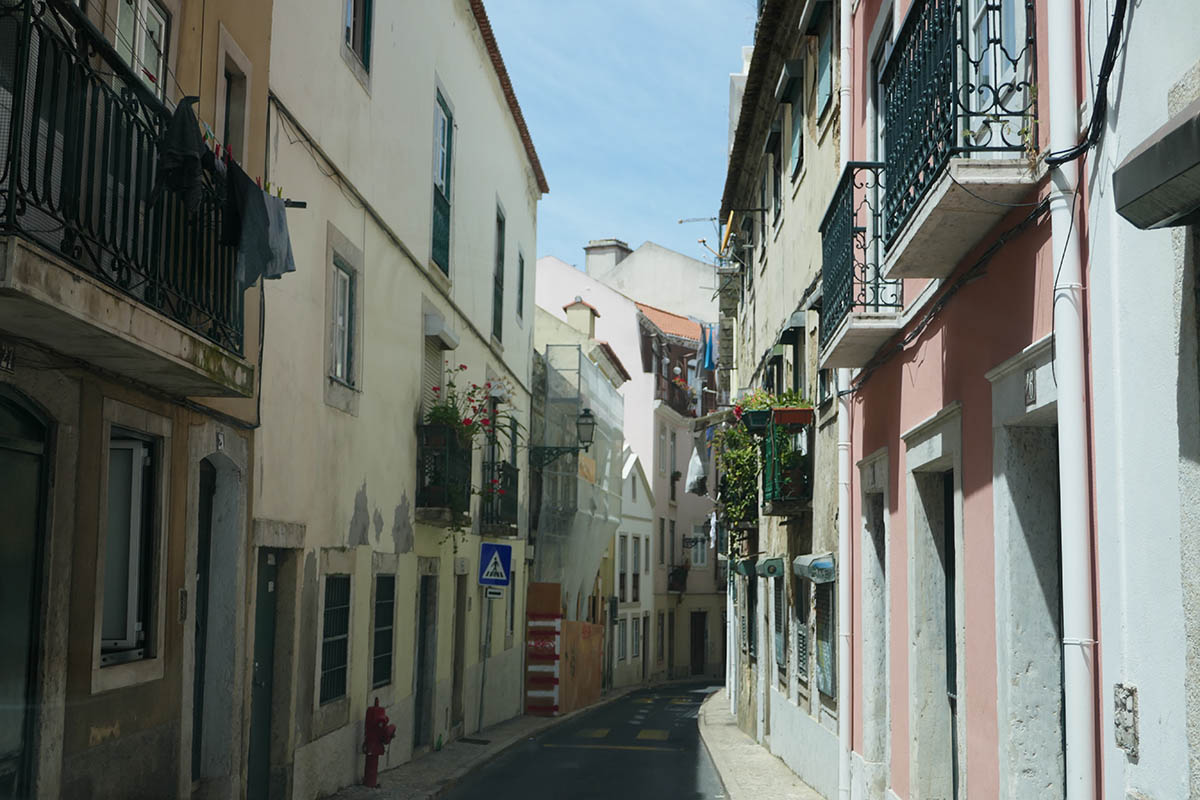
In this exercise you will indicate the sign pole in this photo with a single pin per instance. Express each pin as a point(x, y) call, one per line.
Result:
point(487, 646)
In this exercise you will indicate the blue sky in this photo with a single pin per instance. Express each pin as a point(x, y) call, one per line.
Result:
point(627, 102)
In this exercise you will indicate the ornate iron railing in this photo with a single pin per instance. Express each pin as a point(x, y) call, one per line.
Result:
point(499, 493)
point(677, 578)
point(674, 395)
point(443, 469)
point(959, 82)
point(851, 250)
point(441, 230)
point(79, 139)
point(787, 469)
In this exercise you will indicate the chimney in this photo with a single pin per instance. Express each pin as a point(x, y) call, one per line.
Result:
point(603, 255)
point(582, 316)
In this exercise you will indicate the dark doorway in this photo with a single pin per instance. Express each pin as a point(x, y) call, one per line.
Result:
point(425, 662)
point(699, 633)
point(23, 441)
point(670, 644)
point(460, 652)
point(208, 490)
point(258, 776)
point(645, 645)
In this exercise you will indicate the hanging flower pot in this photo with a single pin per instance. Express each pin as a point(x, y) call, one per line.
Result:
point(793, 416)
point(756, 419)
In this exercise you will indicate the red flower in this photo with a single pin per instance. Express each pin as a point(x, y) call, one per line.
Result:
point(467, 421)
point(501, 491)
point(462, 366)
point(737, 411)
point(495, 480)
point(484, 420)
point(437, 388)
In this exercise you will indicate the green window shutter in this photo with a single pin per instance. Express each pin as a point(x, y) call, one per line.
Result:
point(366, 35)
point(520, 284)
point(498, 284)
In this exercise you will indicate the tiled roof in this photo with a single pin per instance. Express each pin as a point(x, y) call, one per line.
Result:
point(584, 303)
point(671, 324)
point(489, 41)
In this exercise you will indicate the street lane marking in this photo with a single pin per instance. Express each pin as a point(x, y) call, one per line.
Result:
point(650, 733)
point(683, 701)
point(613, 747)
point(643, 699)
point(592, 733)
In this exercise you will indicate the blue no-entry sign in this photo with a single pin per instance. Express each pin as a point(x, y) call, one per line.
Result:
point(495, 564)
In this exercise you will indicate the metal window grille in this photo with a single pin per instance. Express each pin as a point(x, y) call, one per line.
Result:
point(335, 638)
point(826, 645)
point(385, 606)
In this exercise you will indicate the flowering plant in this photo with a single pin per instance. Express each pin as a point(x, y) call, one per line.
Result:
point(760, 399)
point(467, 407)
point(680, 382)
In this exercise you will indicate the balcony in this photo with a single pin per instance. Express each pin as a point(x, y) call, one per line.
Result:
point(443, 476)
point(674, 395)
point(960, 130)
point(95, 267)
point(677, 578)
point(787, 472)
point(860, 309)
point(499, 495)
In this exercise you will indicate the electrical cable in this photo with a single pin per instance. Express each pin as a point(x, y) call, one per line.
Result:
point(1100, 109)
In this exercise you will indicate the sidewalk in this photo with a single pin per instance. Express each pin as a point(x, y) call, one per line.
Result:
point(747, 769)
point(434, 774)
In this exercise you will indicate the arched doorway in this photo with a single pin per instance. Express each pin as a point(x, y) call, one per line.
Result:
point(23, 445)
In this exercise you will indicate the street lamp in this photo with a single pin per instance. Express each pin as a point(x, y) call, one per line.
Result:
point(585, 432)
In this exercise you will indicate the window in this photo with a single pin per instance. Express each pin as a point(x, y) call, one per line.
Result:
point(623, 567)
point(776, 183)
point(824, 386)
point(662, 533)
point(802, 601)
point(385, 607)
point(622, 642)
point(659, 646)
point(762, 217)
point(636, 630)
point(335, 638)
point(780, 611)
point(699, 550)
point(796, 146)
point(498, 281)
point(636, 572)
point(521, 291)
point(646, 560)
point(662, 448)
point(824, 63)
point(343, 322)
point(633, 487)
point(358, 30)
point(673, 561)
point(142, 41)
point(233, 127)
point(674, 461)
point(129, 549)
point(442, 160)
point(431, 373)
point(826, 653)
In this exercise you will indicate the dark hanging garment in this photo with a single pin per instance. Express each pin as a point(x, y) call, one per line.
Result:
point(181, 157)
point(247, 225)
point(281, 243)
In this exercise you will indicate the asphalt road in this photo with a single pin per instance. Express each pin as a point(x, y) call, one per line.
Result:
point(645, 745)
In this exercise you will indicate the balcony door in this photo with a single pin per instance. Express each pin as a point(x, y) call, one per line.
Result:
point(23, 440)
point(993, 80)
point(882, 294)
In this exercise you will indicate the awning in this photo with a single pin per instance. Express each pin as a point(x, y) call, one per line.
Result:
point(771, 568)
point(1158, 184)
point(745, 566)
point(817, 567)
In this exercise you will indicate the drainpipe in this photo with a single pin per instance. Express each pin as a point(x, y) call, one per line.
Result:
point(1079, 645)
point(843, 448)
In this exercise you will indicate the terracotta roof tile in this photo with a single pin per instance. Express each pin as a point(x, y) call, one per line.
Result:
point(671, 324)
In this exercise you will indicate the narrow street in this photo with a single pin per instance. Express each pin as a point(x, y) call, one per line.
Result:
point(645, 745)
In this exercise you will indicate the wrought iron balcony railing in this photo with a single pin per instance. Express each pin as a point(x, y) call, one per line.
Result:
point(499, 493)
point(674, 395)
point(79, 139)
point(959, 82)
point(443, 469)
point(677, 578)
point(852, 252)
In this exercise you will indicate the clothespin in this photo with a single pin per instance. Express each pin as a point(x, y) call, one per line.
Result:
point(258, 180)
point(228, 154)
point(279, 192)
point(267, 188)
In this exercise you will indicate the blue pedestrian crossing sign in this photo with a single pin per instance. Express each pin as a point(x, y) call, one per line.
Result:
point(495, 564)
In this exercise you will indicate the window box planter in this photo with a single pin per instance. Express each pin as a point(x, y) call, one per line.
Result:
point(756, 419)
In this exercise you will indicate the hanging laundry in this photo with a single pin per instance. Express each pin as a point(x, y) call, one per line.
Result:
point(182, 155)
point(281, 243)
point(710, 356)
point(246, 225)
point(697, 477)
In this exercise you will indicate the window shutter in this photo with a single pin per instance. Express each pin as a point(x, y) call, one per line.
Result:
point(801, 601)
point(780, 612)
point(826, 656)
point(431, 373)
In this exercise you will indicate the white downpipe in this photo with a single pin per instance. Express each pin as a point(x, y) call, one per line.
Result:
point(1079, 653)
point(843, 429)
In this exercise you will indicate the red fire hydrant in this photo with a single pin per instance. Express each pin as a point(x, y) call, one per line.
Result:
point(376, 738)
